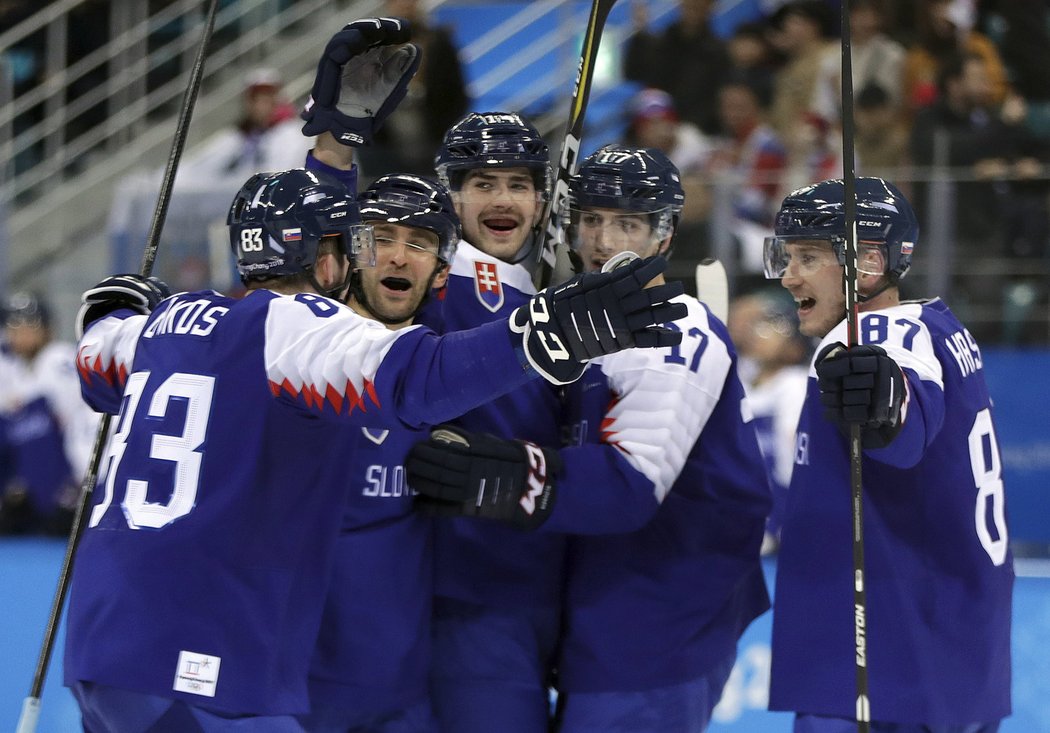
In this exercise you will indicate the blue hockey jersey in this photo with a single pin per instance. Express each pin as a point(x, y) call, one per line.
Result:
point(373, 650)
point(667, 458)
point(485, 562)
point(938, 567)
point(201, 575)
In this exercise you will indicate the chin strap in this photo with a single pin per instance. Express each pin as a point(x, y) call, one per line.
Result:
point(883, 288)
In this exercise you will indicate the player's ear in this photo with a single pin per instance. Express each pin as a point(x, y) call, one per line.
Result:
point(871, 264)
point(440, 277)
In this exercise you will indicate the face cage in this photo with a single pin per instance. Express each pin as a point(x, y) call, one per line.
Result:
point(775, 259)
point(661, 230)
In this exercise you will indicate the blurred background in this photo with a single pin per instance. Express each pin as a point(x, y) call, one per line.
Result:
point(952, 101)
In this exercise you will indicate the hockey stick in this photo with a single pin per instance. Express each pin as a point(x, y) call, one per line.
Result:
point(712, 287)
point(546, 255)
point(849, 274)
point(30, 714)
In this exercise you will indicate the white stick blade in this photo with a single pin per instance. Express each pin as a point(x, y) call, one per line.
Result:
point(712, 287)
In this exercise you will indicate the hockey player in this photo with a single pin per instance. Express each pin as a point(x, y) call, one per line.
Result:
point(938, 567)
point(200, 580)
point(371, 664)
point(764, 329)
point(47, 429)
point(497, 588)
point(664, 480)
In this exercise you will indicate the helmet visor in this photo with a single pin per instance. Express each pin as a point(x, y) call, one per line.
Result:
point(615, 230)
point(799, 256)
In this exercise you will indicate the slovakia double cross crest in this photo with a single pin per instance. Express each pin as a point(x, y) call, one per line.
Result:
point(487, 285)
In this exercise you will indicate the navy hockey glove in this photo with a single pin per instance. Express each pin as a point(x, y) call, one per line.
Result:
point(140, 294)
point(361, 77)
point(464, 474)
point(862, 386)
point(597, 313)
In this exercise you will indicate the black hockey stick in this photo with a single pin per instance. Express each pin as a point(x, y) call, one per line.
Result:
point(849, 180)
point(546, 254)
point(31, 705)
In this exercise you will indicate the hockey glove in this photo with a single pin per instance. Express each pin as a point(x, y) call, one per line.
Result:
point(362, 76)
point(862, 386)
point(140, 294)
point(464, 474)
point(594, 314)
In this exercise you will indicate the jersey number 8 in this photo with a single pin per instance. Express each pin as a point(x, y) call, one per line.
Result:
point(182, 450)
point(987, 478)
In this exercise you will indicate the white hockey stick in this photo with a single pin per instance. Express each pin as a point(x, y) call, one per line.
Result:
point(712, 287)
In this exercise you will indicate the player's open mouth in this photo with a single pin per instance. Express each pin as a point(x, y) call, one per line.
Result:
point(396, 283)
point(805, 304)
point(501, 225)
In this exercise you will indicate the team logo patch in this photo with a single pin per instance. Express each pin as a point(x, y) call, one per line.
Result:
point(292, 235)
point(197, 673)
point(487, 285)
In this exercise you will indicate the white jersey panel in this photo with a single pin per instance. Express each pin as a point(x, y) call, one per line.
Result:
point(901, 332)
point(341, 351)
point(662, 406)
point(108, 347)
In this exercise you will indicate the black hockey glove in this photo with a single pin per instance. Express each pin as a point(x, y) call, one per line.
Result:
point(594, 314)
point(140, 294)
point(361, 77)
point(862, 386)
point(464, 474)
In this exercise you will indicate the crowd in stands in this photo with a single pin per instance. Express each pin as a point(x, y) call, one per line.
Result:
point(937, 84)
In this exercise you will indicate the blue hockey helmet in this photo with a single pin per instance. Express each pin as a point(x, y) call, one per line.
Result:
point(412, 201)
point(24, 308)
point(277, 221)
point(641, 180)
point(493, 140)
point(884, 218)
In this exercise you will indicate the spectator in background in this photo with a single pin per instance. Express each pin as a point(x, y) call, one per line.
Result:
point(436, 98)
point(751, 53)
point(654, 123)
point(945, 30)
point(698, 57)
point(881, 136)
point(877, 61)
point(1023, 45)
point(990, 148)
point(764, 328)
point(800, 33)
point(266, 137)
point(47, 429)
point(751, 158)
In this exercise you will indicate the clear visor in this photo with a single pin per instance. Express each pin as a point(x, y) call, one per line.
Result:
point(484, 185)
point(611, 231)
point(801, 256)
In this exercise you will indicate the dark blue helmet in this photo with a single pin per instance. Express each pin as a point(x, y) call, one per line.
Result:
point(277, 221)
point(884, 217)
point(26, 309)
point(412, 201)
point(641, 180)
point(493, 140)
